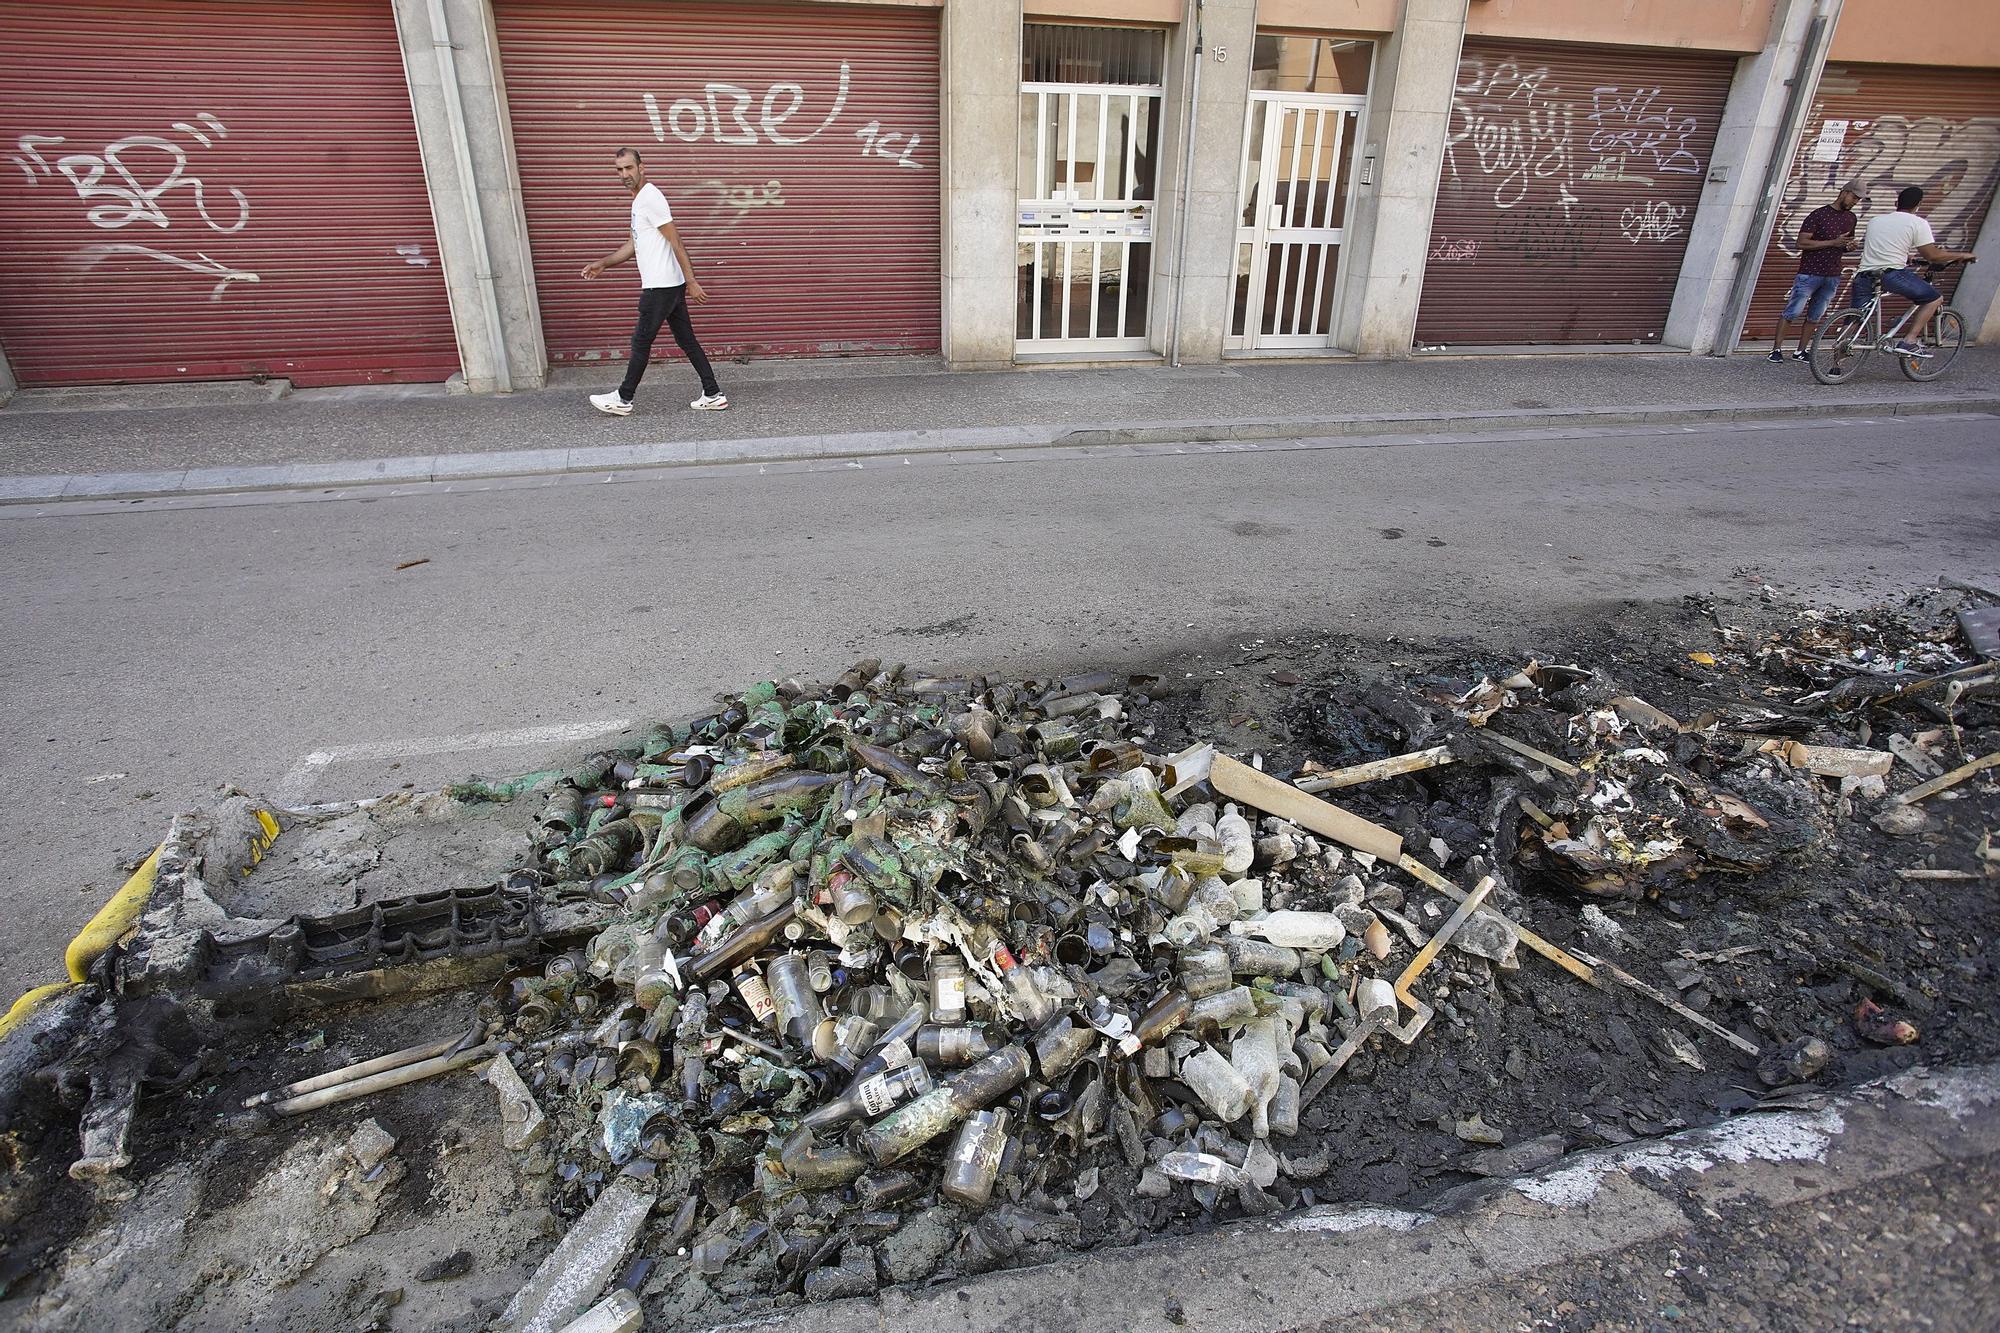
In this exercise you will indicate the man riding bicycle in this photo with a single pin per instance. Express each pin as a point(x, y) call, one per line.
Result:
point(1886, 244)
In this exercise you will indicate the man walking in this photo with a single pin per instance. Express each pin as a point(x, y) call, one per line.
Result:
point(667, 284)
point(1886, 243)
point(1826, 234)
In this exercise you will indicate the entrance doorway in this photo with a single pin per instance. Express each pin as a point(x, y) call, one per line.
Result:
point(1299, 153)
point(1089, 147)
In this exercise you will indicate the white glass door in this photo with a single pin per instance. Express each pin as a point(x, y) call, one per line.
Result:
point(1299, 153)
point(1084, 233)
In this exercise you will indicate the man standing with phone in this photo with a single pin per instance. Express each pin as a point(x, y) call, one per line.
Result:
point(1825, 235)
point(666, 284)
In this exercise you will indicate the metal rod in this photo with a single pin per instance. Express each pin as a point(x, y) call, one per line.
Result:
point(1660, 997)
point(335, 1077)
point(1306, 220)
point(1296, 118)
point(1124, 280)
point(1068, 267)
point(756, 1044)
point(1574, 964)
point(1325, 204)
point(392, 1078)
point(1187, 173)
point(1527, 751)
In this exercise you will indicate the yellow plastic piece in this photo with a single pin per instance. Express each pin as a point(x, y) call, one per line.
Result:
point(111, 923)
point(27, 1004)
point(112, 920)
point(269, 823)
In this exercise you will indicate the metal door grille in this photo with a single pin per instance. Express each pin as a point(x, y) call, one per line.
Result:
point(1084, 241)
point(1293, 188)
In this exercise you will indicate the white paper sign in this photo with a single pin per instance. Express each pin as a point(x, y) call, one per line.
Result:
point(1832, 138)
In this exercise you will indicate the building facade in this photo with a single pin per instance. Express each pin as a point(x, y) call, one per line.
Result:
point(348, 191)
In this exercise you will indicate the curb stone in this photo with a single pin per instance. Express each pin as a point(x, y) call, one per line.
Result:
point(44, 489)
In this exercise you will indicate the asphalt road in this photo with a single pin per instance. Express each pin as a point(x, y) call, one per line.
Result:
point(157, 651)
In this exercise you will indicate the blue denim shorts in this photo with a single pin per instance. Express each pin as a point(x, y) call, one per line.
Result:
point(1904, 282)
point(1818, 289)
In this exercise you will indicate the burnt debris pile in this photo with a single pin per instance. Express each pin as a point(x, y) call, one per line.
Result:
point(856, 984)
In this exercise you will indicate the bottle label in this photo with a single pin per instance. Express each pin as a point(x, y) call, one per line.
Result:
point(757, 997)
point(881, 1093)
point(875, 1097)
point(981, 1153)
point(949, 995)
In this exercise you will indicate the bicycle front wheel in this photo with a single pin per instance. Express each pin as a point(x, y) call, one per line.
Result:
point(1942, 340)
point(1839, 348)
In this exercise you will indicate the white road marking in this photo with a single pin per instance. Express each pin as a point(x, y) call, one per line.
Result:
point(293, 787)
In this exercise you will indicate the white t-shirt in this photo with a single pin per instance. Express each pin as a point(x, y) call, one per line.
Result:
point(1887, 240)
point(657, 265)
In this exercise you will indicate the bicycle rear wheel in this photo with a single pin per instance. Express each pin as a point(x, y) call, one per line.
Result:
point(1942, 339)
point(1839, 348)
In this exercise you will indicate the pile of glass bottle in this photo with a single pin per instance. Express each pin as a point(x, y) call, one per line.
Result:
point(897, 940)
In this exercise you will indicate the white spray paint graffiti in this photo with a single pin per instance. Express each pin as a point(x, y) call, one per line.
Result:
point(1655, 220)
point(1518, 129)
point(882, 143)
point(1957, 162)
point(123, 188)
point(1625, 121)
point(207, 267)
point(740, 201)
point(1514, 130)
point(107, 175)
point(1514, 137)
point(1445, 250)
point(722, 114)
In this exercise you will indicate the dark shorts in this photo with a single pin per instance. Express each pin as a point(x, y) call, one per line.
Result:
point(1811, 294)
point(1904, 282)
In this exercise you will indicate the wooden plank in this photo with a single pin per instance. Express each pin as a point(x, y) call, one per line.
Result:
point(1240, 782)
point(1951, 779)
point(1527, 751)
point(1394, 766)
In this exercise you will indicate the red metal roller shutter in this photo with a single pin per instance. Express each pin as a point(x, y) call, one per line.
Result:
point(827, 245)
point(1888, 126)
point(1569, 185)
point(206, 189)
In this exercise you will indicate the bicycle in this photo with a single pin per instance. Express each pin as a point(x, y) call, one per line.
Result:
point(1844, 342)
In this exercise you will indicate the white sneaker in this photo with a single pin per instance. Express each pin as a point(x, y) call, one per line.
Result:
point(710, 402)
point(612, 403)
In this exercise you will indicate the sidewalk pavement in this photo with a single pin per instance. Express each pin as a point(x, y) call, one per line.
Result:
point(154, 440)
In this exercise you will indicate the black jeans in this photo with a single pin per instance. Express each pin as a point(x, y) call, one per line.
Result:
point(657, 306)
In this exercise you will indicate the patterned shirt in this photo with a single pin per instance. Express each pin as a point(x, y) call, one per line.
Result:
point(1825, 223)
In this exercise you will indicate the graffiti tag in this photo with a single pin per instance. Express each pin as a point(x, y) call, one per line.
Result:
point(723, 114)
point(131, 181)
point(1655, 220)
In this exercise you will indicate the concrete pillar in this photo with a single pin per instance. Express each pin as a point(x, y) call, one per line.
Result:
point(1978, 294)
point(1409, 114)
point(1730, 229)
point(982, 98)
point(1208, 289)
point(463, 128)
